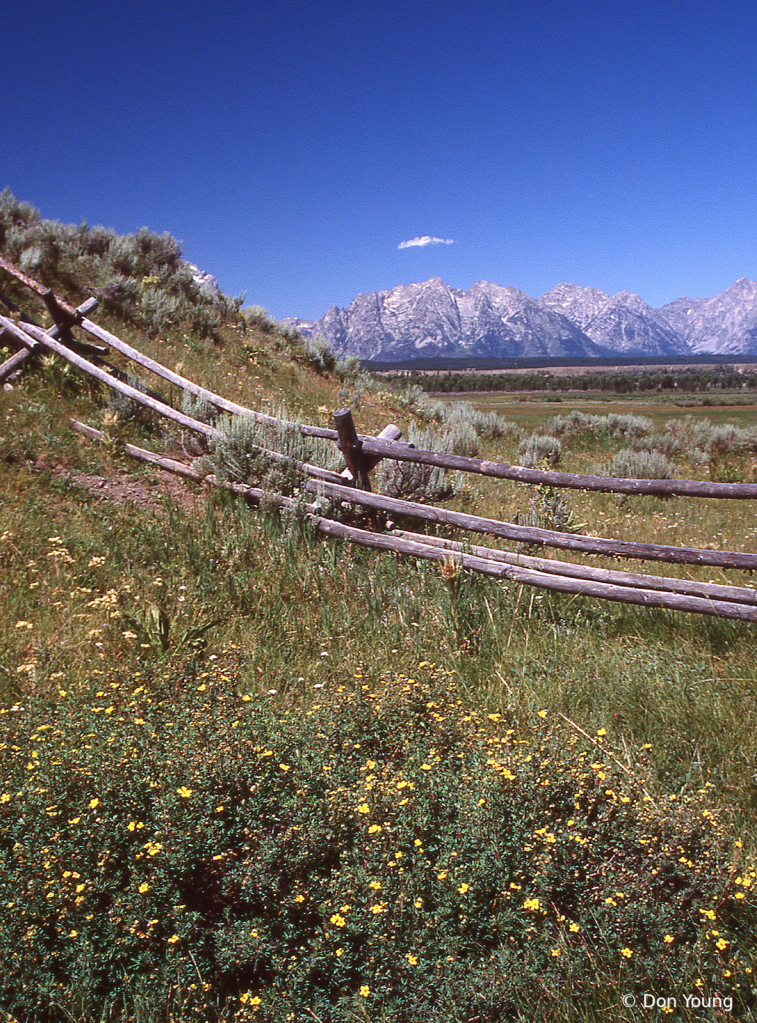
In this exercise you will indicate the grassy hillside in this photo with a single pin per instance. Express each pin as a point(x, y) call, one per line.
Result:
point(249, 774)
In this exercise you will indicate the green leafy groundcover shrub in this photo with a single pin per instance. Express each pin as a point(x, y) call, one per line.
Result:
point(172, 849)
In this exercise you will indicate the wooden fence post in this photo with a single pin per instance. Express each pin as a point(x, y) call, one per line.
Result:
point(390, 433)
point(17, 361)
point(58, 308)
point(351, 447)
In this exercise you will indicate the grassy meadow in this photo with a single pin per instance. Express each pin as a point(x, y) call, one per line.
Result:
point(249, 774)
point(529, 410)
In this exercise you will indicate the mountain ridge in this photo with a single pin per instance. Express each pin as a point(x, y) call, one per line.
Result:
point(431, 319)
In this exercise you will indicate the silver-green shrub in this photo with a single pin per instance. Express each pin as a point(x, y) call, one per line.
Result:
point(539, 450)
point(429, 411)
point(484, 424)
point(411, 397)
point(699, 437)
point(573, 423)
point(460, 438)
point(492, 425)
point(725, 439)
point(348, 369)
point(640, 465)
point(666, 442)
point(257, 316)
point(628, 425)
point(319, 354)
point(412, 481)
point(198, 408)
point(239, 454)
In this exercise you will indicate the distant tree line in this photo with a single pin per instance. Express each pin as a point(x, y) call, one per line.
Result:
point(723, 378)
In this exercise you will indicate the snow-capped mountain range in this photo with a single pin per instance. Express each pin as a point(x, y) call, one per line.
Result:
point(432, 319)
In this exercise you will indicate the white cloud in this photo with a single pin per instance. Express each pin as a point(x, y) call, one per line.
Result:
point(425, 240)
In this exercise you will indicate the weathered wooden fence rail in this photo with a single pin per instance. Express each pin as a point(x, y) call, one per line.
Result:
point(562, 480)
point(673, 584)
point(16, 361)
point(740, 602)
point(361, 453)
point(539, 537)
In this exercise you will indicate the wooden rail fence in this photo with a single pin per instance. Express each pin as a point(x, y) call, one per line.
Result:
point(362, 453)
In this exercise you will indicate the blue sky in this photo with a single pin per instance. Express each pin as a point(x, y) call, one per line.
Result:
point(293, 146)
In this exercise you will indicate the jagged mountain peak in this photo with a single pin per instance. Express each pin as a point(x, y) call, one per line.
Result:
point(487, 319)
point(628, 298)
point(430, 318)
point(579, 304)
point(725, 324)
point(743, 289)
point(626, 324)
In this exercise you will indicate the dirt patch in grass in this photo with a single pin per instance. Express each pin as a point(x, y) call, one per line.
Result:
point(144, 492)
